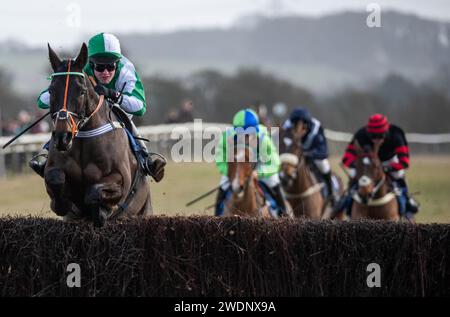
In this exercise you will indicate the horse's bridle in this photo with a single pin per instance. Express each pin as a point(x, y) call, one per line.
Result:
point(310, 190)
point(68, 116)
point(378, 185)
point(301, 160)
point(254, 166)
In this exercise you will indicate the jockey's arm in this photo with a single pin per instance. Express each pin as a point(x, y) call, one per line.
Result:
point(349, 159)
point(401, 150)
point(221, 155)
point(350, 154)
point(133, 101)
point(268, 158)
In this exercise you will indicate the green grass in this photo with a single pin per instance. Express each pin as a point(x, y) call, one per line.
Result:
point(25, 194)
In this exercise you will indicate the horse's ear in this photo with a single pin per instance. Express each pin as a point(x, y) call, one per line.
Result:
point(55, 61)
point(82, 57)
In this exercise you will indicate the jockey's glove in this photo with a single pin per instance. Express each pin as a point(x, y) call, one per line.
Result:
point(388, 169)
point(109, 93)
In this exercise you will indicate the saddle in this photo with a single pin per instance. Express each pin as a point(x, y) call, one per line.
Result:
point(156, 167)
point(122, 116)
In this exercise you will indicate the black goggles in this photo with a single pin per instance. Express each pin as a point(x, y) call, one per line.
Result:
point(101, 67)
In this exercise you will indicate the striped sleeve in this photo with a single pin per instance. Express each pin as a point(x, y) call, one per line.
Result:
point(133, 100)
point(402, 153)
point(268, 158)
point(349, 155)
point(43, 100)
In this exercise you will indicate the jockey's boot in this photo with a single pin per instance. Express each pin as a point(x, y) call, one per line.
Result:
point(279, 199)
point(152, 163)
point(344, 203)
point(38, 162)
point(412, 205)
point(330, 188)
point(339, 207)
point(221, 194)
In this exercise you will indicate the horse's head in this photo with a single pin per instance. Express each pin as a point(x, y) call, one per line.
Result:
point(69, 94)
point(369, 172)
point(289, 169)
point(292, 158)
point(241, 168)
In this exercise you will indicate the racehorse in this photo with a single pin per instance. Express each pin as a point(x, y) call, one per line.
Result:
point(301, 186)
point(91, 173)
point(247, 198)
point(375, 197)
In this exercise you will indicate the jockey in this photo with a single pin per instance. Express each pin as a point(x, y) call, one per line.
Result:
point(119, 82)
point(268, 165)
point(314, 144)
point(393, 153)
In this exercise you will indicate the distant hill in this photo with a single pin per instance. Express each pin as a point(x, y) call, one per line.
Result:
point(322, 54)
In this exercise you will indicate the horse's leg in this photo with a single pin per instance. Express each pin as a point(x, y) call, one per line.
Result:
point(289, 210)
point(99, 198)
point(317, 205)
point(386, 212)
point(340, 216)
point(357, 212)
point(147, 209)
point(93, 199)
point(75, 214)
point(394, 208)
point(312, 206)
point(297, 209)
point(141, 204)
point(55, 179)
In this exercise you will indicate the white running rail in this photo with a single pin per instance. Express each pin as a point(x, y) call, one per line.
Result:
point(34, 142)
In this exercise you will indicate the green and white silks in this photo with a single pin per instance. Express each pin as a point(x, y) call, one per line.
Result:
point(268, 160)
point(125, 77)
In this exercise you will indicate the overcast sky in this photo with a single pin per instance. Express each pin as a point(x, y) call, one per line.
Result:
point(65, 22)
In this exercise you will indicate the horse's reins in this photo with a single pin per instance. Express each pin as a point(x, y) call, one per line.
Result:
point(64, 114)
point(375, 202)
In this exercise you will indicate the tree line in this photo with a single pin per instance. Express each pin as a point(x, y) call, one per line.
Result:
point(216, 97)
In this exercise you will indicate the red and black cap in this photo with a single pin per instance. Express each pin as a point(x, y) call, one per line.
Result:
point(378, 124)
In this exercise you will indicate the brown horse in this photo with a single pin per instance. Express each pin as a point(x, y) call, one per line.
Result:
point(91, 173)
point(302, 189)
point(375, 197)
point(247, 198)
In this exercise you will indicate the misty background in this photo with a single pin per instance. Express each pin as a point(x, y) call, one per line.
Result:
point(227, 55)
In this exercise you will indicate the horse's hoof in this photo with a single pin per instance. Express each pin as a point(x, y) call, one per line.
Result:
point(60, 209)
point(99, 219)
